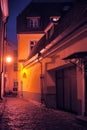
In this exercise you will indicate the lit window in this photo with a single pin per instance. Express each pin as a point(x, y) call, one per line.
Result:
point(33, 22)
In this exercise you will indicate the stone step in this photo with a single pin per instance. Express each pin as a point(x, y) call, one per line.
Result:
point(82, 120)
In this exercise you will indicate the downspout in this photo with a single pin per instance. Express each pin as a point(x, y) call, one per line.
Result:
point(1, 59)
point(41, 80)
point(4, 16)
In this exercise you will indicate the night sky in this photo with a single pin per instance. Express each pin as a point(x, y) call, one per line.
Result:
point(15, 7)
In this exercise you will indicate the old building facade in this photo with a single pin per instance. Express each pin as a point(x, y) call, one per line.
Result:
point(53, 69)
point(3, 19)
point(10, 68)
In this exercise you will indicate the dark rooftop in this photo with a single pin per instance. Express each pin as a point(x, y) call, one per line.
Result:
point(73, 20)
point(47, 9)
point(42, 10)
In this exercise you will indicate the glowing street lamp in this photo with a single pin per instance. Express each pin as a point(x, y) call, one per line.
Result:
point(9, 59)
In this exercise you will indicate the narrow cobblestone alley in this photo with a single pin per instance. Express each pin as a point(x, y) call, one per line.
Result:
point(20, 114)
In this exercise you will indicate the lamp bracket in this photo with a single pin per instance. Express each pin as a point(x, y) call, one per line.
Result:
point(77, 62)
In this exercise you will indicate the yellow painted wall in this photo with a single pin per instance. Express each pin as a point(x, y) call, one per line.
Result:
point(23, 44)
point(31, 80)
point(30, 83)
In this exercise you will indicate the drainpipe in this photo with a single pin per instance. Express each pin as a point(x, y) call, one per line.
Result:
point(1, 60)
point(41, 80)
point(21, 88)
point(4, 15)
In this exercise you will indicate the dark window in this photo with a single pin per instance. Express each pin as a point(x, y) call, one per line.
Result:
point(32, 44)
point(33, 22)
point(15, 53)
point(66, 8)
point(15, 67)
point(15, 88)
point(15, 84)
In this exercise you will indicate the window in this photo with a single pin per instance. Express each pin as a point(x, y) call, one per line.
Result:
point(15, 67)
point(33, 22)
point(32, 44)
point(15, 83)
point(15, 88)
point(15, 53)
point(66, 8)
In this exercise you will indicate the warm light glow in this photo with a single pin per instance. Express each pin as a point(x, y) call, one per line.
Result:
point(9, 59)
point(24, 73)
point(55, 18)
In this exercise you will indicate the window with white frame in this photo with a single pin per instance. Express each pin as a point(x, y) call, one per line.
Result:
point(33, 22)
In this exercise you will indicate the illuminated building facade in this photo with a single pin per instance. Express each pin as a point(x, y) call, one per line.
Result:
point(53, 69)
point(10, 68)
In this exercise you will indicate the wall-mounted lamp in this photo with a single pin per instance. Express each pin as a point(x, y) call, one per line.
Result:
point(24, 75)
point(77, 58)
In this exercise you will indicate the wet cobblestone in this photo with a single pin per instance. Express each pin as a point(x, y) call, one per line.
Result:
point(20, 114)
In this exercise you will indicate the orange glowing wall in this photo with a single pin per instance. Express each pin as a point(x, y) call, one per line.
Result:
point(32, 79)
point(24, 44)
point(29, 76)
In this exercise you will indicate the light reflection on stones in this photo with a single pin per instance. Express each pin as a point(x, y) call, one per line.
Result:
point(23, 115)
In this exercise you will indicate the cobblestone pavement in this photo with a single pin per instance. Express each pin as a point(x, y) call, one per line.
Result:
point(2, 105)
point(20, 114)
